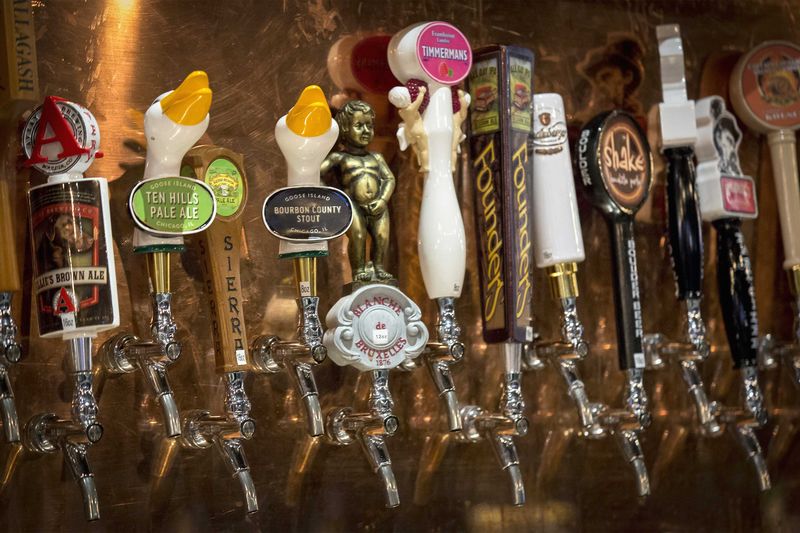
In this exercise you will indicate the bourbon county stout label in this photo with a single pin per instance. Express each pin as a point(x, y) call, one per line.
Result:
point(501, 82)
point(73, 270)
point(308, 213)
point(172, 206)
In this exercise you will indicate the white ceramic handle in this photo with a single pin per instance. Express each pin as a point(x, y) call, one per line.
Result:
point(787, 190)
point(441, 242)
point(556, 224)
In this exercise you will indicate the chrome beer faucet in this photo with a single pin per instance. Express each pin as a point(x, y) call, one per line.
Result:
point(49, 433)
point(173, 123)
point(10, 353)
point(500, 428)
point(558, 247)
point(202, 430)
point(76, 313)
point(678, 137)
point(370, 429)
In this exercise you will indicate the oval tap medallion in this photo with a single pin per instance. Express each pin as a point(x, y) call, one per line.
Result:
point(172, 206)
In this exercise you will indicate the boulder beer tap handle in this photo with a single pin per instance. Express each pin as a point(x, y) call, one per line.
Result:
point(678, 136)
point(764, 93)
point(616, 166)
point(220, 246)
point(726, 197)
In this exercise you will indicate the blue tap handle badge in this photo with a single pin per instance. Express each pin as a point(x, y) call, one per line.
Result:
point(74, 279)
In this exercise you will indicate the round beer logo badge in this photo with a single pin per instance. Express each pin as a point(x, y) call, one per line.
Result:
point(60, 137)
point(226, 181)
point(624, 161)
point(771, 84)
point(549, 130)
point(444, 53)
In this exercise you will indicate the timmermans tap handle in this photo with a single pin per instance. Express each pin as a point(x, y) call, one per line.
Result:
point(627, 300)
point(736, 293)
point(685, 225)
point(220, 245)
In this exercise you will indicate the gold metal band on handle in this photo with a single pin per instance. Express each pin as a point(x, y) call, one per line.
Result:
point(563, 280)
point(305, 271)
point(158, 270)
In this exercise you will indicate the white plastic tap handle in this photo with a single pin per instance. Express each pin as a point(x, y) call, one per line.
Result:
point(676, 112)
point(556, 223)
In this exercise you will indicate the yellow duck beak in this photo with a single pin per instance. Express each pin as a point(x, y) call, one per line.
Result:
point(310, 116)
point(189, 103)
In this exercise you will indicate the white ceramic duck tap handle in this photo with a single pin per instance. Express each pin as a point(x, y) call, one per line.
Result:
point(431, 59)
point(173, 123)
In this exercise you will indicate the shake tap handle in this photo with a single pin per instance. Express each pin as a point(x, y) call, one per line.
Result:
point(432, 109)
point(305, 135)
point(761, 102)
point(558, 247)
point(726, 197)
point(73, 271)
point(220, 246)
point(615, 164)
point(678, 136)
point(158, 206)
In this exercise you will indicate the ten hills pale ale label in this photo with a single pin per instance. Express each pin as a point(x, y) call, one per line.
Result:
point(71, 256)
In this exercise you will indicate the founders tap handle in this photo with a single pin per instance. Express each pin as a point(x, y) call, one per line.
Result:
point(220, 245)
point(615, 165)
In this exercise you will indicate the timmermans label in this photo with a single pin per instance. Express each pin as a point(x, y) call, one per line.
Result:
point(72, 280)
point(172, 206)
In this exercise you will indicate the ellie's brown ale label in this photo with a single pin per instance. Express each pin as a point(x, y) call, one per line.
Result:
point(73, 269)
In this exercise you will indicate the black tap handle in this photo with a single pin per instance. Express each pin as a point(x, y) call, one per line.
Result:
point(685, 224)
point(736, 293)
point(626, 293)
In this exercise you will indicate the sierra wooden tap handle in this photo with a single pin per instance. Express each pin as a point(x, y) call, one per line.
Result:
point(220, 247)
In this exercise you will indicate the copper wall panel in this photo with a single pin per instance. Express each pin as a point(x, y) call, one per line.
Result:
point(115, 56)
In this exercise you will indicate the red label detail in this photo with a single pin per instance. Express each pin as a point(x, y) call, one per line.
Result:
point(52, 119)
point(64, 304)
point(370, 65)
point(738, 195)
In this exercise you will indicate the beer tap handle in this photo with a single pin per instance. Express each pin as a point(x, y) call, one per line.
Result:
point(627, 299)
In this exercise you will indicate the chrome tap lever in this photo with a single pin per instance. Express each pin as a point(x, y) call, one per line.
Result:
point(370, 429)
point(10, 349)
point(233, 453)
point(162, 325)
point(628, 441)
point(8, 409)
point(747, 439)
point(124, 353)
point(636, 397)
point(439, 357)
point(587, 411)
point(47, 433)
point(271, 355)
point(706, 411)
point(203, 430)
point(10, 353)
point(696, 328)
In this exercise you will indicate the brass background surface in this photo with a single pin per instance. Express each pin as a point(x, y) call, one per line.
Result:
point(115, 56)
